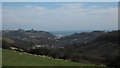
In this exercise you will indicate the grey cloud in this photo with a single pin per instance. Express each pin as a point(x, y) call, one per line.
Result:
point(66, 17)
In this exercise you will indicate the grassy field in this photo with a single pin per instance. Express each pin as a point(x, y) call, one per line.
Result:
point(12, 58)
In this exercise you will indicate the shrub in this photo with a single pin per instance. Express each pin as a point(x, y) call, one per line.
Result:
point(5, 45)
point(115, 63)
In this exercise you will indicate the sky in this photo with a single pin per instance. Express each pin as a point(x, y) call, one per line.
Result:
point(60, 16)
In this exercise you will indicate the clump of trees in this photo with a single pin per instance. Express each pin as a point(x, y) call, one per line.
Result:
point(115, 63)
point(47, 51)
point(109, 37)
point(6, 45)
point(67, 54)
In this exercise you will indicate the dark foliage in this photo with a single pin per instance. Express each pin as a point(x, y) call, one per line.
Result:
point(6, 45)
point(40, 51)
point(109, 37)
point(115, 63)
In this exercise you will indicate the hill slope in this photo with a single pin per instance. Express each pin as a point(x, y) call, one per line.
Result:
point(11, 58)
point(28, 34)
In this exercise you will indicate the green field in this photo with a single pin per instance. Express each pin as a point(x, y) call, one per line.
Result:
point(11, 58)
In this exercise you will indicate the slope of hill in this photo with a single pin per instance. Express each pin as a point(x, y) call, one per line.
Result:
point(28, 34)
point(101, 48)
point(104, 49)
point(83, 37)
point(11, 58)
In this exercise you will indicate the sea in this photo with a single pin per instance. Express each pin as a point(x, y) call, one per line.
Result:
point(65, 33)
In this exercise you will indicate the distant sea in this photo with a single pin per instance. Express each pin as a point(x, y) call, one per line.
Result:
point(65, 33)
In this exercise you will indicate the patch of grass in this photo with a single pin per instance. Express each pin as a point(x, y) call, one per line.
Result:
point(11, 58)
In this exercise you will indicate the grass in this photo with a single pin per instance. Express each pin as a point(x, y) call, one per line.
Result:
point(11, 58)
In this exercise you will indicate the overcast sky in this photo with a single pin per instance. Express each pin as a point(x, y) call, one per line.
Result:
point(60, 16)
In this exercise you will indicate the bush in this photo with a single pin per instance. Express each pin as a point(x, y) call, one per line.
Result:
point(75, 57)
point(109, 37)
point(5, 45)
point(115, 63)
point(40, 51)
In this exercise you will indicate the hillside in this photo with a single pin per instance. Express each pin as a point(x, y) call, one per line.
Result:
point(106, 43)
point(12, 58)
point(26, 34)
point(101, 47)
point(84, 37)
